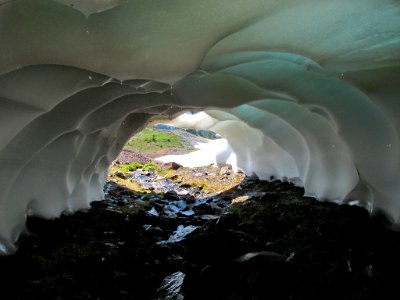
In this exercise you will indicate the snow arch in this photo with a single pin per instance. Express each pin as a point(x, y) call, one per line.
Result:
point(312, 87)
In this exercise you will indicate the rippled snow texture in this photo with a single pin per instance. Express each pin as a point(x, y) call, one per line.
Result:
point(304, 90)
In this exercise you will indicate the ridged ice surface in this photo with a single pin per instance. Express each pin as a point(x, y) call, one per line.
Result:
point(304, 90)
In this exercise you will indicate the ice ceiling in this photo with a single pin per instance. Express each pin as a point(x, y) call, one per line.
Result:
point(306, 90)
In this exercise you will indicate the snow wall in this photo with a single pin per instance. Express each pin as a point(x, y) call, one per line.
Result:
point(304, 90)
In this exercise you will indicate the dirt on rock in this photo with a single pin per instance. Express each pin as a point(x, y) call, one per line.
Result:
point(127, 157)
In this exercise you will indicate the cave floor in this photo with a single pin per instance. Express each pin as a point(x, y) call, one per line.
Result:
point(271, 243)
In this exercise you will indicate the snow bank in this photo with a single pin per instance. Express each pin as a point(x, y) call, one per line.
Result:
point(303, 89)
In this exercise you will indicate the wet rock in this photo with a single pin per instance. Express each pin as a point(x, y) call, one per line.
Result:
point(181, 204)
point(171, 195)
point(208, 217)
point(147, 227)
point(260, 257)
point(187, 213)
point(180, 234)
point(190, 199)
point(171, 210)
point(204, 209)
point(171, 286)
point(175, 166)
point(159, 207)
point(160, 202)
point(110, 245)
point(122, 202)
point(153, 212)
point(333, 252)
point(228, 220)
point(99, 204)
point(183, 192)
point(127, 192)
point(119, 174)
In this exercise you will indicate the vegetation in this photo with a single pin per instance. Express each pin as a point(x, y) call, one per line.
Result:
point(150, 167)
point(136, 165)
point(151, 140)
point(125, 168)
point(207, 182)
point(129, 167)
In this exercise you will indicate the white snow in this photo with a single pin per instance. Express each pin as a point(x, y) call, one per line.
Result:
point(304, 90)
point(215, 152)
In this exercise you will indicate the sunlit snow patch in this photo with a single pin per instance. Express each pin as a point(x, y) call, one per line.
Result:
point(216, 152)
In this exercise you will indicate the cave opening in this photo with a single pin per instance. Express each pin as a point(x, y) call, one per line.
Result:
point(305, 91)
point(145, 243)
point(274, 232)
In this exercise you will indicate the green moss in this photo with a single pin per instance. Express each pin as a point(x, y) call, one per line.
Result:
point(136, 165)
point(151, 166)
point(129, 167)
point(151, 140)
point(169, 174)
point(234, 209)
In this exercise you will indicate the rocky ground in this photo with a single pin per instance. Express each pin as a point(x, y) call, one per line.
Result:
point(257, 240)
point(205, 233)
